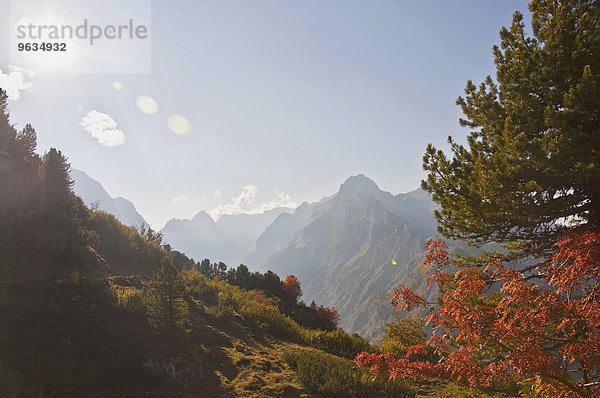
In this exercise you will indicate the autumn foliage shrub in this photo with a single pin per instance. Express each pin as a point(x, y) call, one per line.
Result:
point(291, 288)
point(537, 325)
point(329, 317)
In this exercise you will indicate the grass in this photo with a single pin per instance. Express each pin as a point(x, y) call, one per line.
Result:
point(262, 372)
point(92, 339)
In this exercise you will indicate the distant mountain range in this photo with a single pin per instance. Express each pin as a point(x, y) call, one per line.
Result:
point(92, 191)
point(231, 239)
point(341, 248)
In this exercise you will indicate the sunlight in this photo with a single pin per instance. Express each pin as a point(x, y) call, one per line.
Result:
point(37, 49)
point(60, 38)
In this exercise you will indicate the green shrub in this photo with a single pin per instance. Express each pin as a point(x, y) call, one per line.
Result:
point(199, 286)
point(130, 299)
point(403, 333)
point(336, 342)
point(330, 376)
point(269, 317)
point(126, 298)
point(225, 305)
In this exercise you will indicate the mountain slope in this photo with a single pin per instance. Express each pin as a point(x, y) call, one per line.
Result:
point(280, 232)
point(343, 254)
point(92, 191)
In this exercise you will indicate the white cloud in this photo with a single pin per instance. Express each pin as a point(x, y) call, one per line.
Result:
point(16, 81)
point(180, 198)
point(283, 200)
point(103, 128)
point(217, 193)
point(245, 203)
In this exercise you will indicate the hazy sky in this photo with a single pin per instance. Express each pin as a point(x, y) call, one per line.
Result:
point(284, 100)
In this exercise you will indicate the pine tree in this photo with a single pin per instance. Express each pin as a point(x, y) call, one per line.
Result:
point(56, 185)
point(532, 161)
point(27, 142)
point(19, 183)
point(167, 308)
point(205, 268)
point(7, 131)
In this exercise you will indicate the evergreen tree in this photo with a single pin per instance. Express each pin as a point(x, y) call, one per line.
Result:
point(56, 185)
point(532, 161)
point(7, 161)
point(167, 308)
point(27, 142)
point(19, 184)
point(242, 276)
point(7, 131)
point(220, 269)
point(272, 283)
point(205, 268)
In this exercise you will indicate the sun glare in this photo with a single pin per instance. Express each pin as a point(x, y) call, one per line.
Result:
point(40, 53)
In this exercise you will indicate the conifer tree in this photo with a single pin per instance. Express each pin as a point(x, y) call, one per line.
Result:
point(27, 142)
point(532, 159)
point(56, 186)
point(7, 131)
point(167, 308)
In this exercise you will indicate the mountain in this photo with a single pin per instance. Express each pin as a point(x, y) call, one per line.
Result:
point(92, 191)
point(342, 249)
point(231, 239)
point(280, 232)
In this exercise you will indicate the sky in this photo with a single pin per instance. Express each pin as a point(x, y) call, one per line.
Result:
point(246, 105)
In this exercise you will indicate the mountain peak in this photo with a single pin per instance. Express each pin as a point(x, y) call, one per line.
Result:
point(203, 218)
point(362, 183)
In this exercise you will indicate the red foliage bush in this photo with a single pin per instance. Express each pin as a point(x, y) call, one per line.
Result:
point(538, 325)
point(291, 288)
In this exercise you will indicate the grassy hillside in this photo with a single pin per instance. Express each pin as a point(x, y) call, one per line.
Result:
point(73, 334)
point(66, 336)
